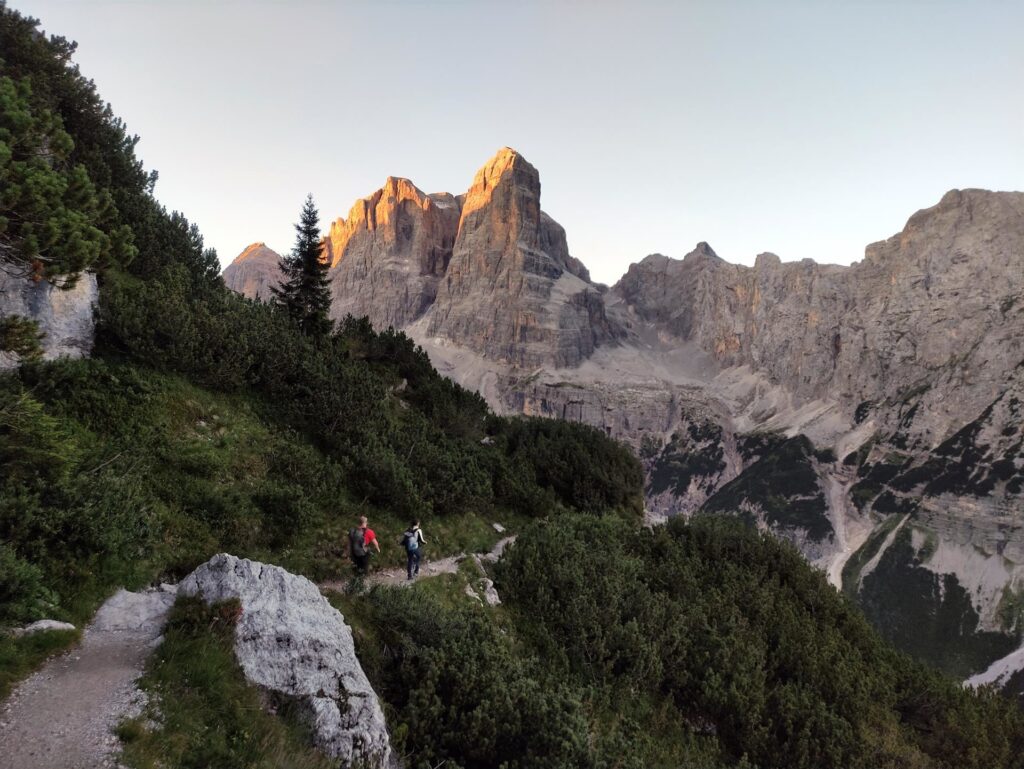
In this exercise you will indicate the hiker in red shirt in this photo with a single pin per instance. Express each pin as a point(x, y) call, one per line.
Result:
point(359, 541)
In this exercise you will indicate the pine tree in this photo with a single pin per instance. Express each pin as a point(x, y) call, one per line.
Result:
point(304, 293)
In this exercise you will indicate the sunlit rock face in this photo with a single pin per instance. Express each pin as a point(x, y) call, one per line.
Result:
point(255, 272)
point(512, 292)
point(388, 257)
point(871, 414)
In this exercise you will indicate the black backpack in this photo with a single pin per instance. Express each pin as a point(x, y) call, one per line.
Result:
point(357, 542)
point(411, 540)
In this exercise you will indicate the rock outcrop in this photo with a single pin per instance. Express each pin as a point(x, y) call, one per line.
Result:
point(388, 257)
point(487, 270)
point(255, 272)
point(291, 641)
point(511, 291)
point(64, 315)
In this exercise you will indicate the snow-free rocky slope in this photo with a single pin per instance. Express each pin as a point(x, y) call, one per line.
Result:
point(870, 413)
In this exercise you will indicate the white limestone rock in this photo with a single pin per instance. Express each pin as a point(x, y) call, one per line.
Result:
point(290, 640)
point(40, 626)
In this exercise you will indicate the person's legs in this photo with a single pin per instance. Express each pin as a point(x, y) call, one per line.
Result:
point(361, 562)
point(416, 555)
point(410, 557)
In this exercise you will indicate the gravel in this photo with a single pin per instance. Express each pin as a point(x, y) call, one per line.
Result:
point(64, 715)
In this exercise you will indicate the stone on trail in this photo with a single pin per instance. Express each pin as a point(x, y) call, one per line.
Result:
point(290, 640)
point(41, 625)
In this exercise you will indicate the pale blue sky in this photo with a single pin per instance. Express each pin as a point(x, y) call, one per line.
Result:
point(805, 128)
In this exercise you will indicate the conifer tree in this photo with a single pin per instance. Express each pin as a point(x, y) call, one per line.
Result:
point(304, 293)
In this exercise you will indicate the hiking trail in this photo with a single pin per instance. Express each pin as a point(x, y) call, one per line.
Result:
point(396, 576)
point(63, 716)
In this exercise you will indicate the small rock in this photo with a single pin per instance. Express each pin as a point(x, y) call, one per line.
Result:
point(42, 625)
point(491, 597)
point(498, 528)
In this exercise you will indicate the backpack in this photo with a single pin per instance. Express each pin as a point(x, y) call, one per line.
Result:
point(357, 542)
point(411, 540)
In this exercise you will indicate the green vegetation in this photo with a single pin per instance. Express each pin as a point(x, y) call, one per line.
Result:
point(206, 422)
point(304, 295)
point(699, 645)
point(208, 714)
point(928, 615)
point(695, 454)
point(783, 483)
point(21, 337)
point(20, 656)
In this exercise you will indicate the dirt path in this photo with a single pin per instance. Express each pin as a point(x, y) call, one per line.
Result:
point(63, 716)
point(396, 577)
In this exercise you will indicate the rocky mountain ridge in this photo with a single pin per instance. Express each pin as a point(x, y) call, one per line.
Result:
point(712, 371)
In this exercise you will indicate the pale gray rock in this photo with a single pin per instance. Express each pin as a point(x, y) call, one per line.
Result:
point(511, 290)
point(290, 640)
point(64, 315)
point(40, 626)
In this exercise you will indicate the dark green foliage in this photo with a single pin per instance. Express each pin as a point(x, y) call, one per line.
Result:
point(784, 484)
point(856, 563)
point(1014, 687)
point(741, 633)
point(304, 294)
point(753, 446)
point(53, 220)
point(695, 454)
point(862, 411)
point(21, 337)
point(464, 697)
point(928, 615)
point(584, 468)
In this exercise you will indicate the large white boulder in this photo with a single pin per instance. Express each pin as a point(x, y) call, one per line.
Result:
point(290, 640)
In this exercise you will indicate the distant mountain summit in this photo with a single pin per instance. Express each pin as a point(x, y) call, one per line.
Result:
point(254, 272)
point(870, 413)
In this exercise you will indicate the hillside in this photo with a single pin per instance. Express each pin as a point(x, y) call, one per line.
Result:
point(203, 422)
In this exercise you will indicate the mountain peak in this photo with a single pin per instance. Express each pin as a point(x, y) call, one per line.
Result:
point(257, 251)
point(504, 161)
point(701, 251)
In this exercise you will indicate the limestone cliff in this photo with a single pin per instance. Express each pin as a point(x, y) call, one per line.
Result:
point(254, 272)
point(388, 257)
point(511, 291)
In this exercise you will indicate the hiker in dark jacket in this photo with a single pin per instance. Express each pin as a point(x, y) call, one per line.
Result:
point(412, 540)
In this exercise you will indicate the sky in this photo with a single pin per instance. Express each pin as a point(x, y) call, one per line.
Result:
point(808, 129)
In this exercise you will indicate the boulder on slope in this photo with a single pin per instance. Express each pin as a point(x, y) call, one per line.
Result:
point(291, 641)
